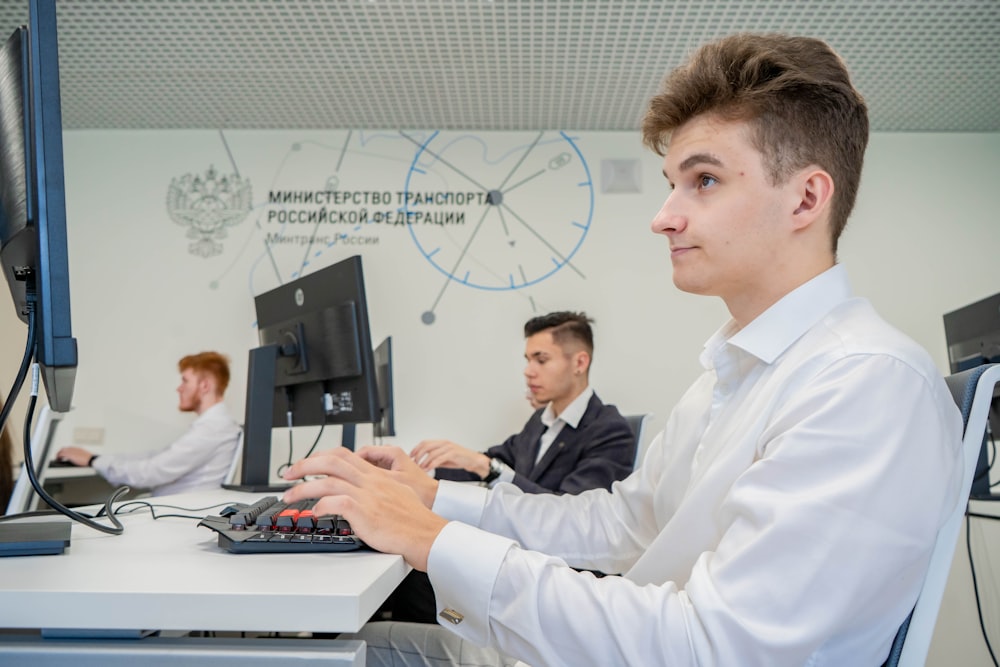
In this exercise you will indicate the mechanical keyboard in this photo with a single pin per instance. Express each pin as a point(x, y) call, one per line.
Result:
point(271, 526)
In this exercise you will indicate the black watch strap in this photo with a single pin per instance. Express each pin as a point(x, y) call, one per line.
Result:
point(494, 471)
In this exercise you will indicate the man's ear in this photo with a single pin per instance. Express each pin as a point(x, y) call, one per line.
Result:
point(581, 362)
point(814, 192)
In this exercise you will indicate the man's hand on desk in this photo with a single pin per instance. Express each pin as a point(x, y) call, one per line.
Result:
point(78, 456)
point(384, 495)
point(431, 454)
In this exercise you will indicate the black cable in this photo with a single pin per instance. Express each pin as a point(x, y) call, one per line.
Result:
point(291, 447)
point(316, 441)
point(312, 448)
point(288, 463)
point(29, 466)
point(22, 372)
point(975, 586)
point(144, 504)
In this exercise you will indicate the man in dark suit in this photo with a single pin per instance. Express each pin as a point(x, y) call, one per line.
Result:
point(572, 444)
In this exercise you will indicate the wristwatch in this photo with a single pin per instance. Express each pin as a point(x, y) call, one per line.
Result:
point(494, 472)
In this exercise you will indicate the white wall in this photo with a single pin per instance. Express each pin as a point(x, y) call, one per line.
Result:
point(922, 242)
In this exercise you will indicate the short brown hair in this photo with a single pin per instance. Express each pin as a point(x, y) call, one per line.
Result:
point(794, 93)
point(564, 325)
point(211, 363)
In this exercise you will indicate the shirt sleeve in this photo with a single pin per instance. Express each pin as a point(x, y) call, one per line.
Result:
point(190, 452)
point(459, 501)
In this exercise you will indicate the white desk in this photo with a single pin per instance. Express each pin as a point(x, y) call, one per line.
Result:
point(169, 574)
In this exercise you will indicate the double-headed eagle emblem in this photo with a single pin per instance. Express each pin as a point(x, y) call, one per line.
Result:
point(207, 205)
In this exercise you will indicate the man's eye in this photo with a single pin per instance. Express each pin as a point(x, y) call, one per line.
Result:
point(706, 181)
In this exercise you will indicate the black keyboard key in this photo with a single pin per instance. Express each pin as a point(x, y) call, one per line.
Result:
point(247, 515)
point(305, 522)
point(285, 520)
point(271, 526)
point(266, 519)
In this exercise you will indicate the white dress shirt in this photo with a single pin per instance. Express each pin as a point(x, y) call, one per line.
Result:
point(785, 515)
point(198, 460)
point(571, 415)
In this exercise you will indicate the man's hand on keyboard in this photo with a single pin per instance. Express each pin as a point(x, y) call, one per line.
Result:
point(378, 492)
point(403, 469)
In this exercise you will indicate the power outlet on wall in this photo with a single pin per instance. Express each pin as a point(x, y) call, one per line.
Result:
point(88, 435)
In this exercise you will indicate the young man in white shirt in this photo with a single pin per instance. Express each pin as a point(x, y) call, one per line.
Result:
point(784, 517)
point(197, 460)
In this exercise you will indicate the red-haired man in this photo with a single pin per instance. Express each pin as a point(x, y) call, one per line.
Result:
point(200, 458)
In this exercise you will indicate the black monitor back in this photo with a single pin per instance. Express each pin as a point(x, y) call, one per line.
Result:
point(386, 424)
point(33, 241)
point(325, 368)
point(314, 366)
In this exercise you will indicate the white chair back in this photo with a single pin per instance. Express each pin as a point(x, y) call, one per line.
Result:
point(973, 392)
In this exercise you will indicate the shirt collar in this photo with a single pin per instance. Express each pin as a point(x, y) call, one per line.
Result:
point(573, 413)
point(218, 407)
point(773, 331)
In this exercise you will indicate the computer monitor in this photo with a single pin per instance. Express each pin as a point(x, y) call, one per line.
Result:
point(33, 246)
point(386, 424)
point(314, 366)
point(972, 334)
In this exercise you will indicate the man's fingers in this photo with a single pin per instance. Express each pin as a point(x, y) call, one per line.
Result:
point(419, 451)
point(318, 488)
point(339, 462)
point(384, 457)
point(343, 505)
point(432, 462)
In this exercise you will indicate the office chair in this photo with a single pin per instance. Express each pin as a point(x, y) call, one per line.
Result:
point(23, 498)
point(638, 424)
point(972, 390)
point(233, 475)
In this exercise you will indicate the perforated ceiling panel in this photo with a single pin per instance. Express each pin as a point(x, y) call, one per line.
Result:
point(478, 64)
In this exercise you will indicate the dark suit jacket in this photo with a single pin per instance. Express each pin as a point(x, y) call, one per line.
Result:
point(600, 450)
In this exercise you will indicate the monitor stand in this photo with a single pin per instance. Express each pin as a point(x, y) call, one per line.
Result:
point(255, 473)
point(34, 538)
point(347, 438)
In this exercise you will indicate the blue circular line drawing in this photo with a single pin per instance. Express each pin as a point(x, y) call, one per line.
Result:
point(546, 167)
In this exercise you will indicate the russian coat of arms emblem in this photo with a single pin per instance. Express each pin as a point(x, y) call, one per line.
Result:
point(207, 205)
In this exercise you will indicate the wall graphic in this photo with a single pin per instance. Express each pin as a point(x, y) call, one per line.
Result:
point(528, 207)
point(488, 212)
